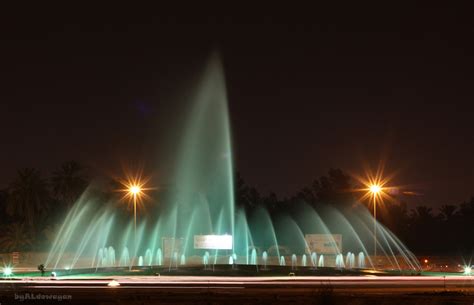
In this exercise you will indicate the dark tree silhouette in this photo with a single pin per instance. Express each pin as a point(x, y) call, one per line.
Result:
point(26, 209)
point(28, 196)
point(335, 189)
point(16, 237)
point(245, 196)
point(447, 212)
point(69, 182)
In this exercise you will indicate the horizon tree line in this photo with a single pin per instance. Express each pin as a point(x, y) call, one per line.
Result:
point(32, 208)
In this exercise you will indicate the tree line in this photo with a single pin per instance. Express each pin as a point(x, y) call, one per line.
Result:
point(32, 208)
point(448, 229)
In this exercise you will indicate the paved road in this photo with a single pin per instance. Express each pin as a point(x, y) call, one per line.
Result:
point(394, 283)
point(188, 289)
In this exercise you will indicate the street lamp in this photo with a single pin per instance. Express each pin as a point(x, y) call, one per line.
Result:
point(135, 191)
point(375, 190)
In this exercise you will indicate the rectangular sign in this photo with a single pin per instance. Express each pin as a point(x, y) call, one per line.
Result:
point(324, 243)
point(217, 242)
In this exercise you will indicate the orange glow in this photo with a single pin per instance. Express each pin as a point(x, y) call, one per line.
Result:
point(374, 186)
point(134, 188)
point(425, 261)
point(375, 189)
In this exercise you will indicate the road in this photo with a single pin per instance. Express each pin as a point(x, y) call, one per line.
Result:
point(189, 289)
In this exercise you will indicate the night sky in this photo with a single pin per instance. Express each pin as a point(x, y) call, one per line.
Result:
point(309, 89)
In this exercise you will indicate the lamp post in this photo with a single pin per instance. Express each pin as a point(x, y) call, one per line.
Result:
point(375, 190)
point(135, 191)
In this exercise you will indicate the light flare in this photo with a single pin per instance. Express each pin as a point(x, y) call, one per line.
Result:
point(134, 187)
point(468, 270)
point(7, 271)
point(374, 186)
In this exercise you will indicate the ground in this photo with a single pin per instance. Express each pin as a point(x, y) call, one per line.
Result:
point(240, 290)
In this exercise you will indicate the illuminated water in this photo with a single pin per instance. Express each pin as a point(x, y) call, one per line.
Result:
point(205, 260)
point(253, 257)
point(321, 261)
point(264, 259)
point(314, 259)
point(200, 201)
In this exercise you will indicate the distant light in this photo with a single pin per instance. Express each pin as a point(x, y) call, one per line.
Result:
point(375, 188)
point(113, 283)
point(467, 270)
point(425, 261)
point(7, 271)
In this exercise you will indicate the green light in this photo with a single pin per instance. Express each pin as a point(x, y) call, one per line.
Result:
point(467, 270)
point(7, 271)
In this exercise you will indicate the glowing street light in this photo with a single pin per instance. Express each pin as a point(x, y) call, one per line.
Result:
point(135, 191)
point(375, 191)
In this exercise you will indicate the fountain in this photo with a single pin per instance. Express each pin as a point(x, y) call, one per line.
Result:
point(205, 260)
point(253, 257)
point(110, 257)
point(159, 257)
point(361, 260)
point(200, 202)
point(340, 261)
point(264, 259)
point(321, 261)
point(124, 258)
point(350, 260)
point(314, 261)
point(148, 257)
point(293, 262)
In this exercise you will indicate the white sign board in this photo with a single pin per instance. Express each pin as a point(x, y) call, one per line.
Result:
point(324, 243)
point(218, 242)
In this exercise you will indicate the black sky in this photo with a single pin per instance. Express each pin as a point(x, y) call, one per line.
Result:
point(309, 89)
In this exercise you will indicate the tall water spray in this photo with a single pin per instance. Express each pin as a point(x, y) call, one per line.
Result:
point(199, 201)
point(204, 195)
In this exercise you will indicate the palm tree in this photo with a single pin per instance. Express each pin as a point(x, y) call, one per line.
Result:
point(335, 188)
point(28, 196)
point(448, 211)
point(423, 213)
point(69, 182)
point(3, 204)
point(15, 238)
